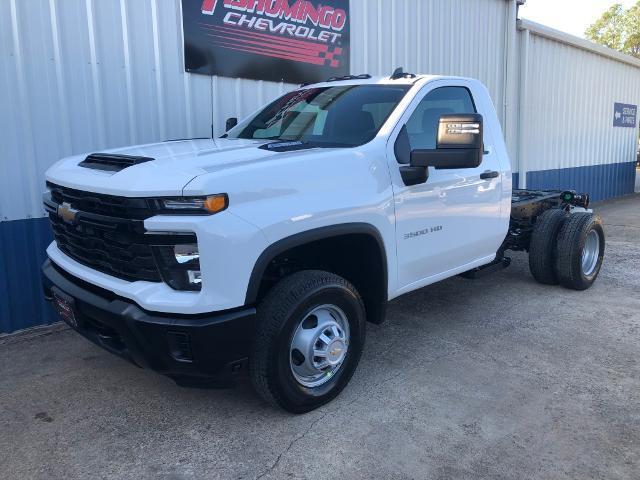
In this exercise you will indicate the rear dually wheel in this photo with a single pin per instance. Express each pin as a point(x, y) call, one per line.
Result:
point(580, 251)
point(543, 246)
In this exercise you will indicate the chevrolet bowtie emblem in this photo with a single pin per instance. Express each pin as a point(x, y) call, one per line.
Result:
point(67, 213)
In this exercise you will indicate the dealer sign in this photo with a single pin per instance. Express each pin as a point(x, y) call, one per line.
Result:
point(295, 41)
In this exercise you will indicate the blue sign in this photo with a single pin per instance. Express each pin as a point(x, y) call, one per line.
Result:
point(625, 115)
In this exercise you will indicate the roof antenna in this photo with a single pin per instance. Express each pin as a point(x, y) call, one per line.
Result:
point(397, 73)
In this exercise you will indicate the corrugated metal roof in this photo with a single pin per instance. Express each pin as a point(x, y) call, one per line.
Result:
point(577, 42)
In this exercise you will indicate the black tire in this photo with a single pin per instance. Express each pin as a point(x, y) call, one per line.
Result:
point(542, 249)
point(279, 315)
point(571, 244)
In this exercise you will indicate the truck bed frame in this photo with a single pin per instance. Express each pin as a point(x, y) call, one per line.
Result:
point(526, 207)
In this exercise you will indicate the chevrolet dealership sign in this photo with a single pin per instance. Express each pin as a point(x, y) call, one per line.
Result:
point(295, 41)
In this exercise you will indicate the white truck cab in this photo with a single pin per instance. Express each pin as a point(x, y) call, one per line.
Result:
point(269, 248)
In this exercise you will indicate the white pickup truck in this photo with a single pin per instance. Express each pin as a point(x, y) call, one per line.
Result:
point(269, 249)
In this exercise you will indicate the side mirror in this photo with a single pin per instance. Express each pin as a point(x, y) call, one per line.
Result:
point(460, 144)
point(231, 122)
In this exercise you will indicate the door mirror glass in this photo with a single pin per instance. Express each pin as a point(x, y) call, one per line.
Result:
point(459, 144)
point(460, 131)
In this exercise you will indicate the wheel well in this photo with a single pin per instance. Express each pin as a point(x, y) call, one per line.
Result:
point(357, 257)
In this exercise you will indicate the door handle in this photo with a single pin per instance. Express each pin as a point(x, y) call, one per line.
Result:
point(488, 175)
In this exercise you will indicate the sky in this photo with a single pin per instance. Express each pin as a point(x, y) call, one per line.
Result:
point(571, 16)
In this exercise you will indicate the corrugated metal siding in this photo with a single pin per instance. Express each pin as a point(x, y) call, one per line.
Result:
point(84, 75)
point(568, 114)
point(453, 37)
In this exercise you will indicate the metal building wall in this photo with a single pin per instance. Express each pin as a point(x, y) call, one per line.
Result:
point(449, 37)
point(567, 140)
point(84, 75)
point(452, 37)
point(80, 76)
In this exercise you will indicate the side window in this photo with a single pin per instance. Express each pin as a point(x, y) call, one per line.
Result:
point(422, 127)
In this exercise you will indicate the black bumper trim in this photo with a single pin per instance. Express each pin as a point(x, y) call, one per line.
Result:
point(218, 343)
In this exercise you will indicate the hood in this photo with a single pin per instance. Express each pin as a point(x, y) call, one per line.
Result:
point(173, 166)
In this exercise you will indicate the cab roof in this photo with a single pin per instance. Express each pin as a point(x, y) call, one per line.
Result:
point(368, 80)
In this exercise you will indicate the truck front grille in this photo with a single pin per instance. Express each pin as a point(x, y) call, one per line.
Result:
point(101, 204)
point(106, 233)
point(106, 250)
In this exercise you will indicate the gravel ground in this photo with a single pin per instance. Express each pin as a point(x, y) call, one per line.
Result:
point(498, 378)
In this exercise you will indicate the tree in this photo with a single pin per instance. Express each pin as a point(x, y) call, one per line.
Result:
point(619, 29)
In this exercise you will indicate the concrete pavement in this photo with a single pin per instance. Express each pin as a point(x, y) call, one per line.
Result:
point(498, 378)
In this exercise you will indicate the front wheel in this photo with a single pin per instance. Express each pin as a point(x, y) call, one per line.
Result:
point(309, 339)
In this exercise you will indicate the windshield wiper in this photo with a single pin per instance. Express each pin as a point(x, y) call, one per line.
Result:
point(292, 145)
point(285, 145)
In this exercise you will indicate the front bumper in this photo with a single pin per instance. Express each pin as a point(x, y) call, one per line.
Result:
point(198, 350)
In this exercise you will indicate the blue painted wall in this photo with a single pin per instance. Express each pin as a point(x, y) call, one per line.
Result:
point(22, 251)
point(23, 242)
point(600, 181)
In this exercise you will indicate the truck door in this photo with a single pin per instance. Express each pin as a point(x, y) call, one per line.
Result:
point(452, 222)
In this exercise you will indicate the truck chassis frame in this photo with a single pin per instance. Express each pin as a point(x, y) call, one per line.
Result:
point(526, 207)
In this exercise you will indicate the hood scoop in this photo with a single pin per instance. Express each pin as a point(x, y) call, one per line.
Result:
point(111, 162)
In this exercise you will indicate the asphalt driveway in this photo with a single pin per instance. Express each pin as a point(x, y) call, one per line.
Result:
point(494, 378)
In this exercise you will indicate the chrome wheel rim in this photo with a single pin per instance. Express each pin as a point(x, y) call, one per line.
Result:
point(319, 346)
point(591, 253)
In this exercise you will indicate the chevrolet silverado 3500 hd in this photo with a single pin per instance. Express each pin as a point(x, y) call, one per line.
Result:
point(269, 249)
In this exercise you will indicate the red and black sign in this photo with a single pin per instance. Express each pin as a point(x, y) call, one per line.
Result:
point(295, 41)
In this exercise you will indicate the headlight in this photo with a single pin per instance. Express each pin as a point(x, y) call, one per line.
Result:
point(194, 205)
point(179, 266)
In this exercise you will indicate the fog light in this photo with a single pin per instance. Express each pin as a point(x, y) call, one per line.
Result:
point(195, 277)
point(179, 265)
point(180, 346)
point(186, 253)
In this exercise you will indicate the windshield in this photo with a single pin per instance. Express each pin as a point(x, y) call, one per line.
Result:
point(340, 116)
